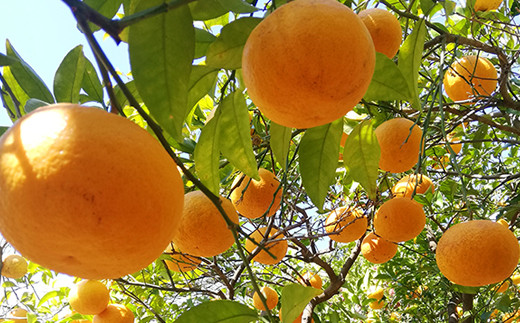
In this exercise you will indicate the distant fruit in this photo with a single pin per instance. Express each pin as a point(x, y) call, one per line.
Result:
point(18, 314)
point(202, 230)
point(399, 219)
point(114, 313)
point(86, 192)
point(410, 183)
point(271, 298)
point(180, 262)
point(89, 297)
point(253, 198)
point(308, 63)
point(384, 28)
point(502, 287)
point(470, 76)
point(342, 143)
point(477, 253)
point(377, 294)
point(376, 305)
point(311, 279)
point(487, 5)
point(400, 143)
point(14, 266)
point(346, 224)
point(297, 320)
point(503, 222)
point(377, 250)
point(271, 249)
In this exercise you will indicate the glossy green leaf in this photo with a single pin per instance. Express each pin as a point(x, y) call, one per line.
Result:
point(361, 157)
point(17, 91)
point(280, 142)
point(91, 84)
point(3, 130)
point(202, 80)
point(219, 311)
point(294, 299)
point(207, 154)
point(161, 52)
point(388, 83)
point(27, 78)
point(7, 60)
point(203, 39)
point(318, 156)
point(234, 127)
point(47, 297)
point(410, 57)
point(120, 96)
point(33, 104)
point(69, 76)
point(226, 51)
point(107, 8)
point(209, 9)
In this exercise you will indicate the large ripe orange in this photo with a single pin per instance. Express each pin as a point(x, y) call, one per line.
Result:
point(384, 28)
point(89, 297)
point(376, 249)
point(399, 219)
point(203, 231)
point(86, 192)
point(308, 63)
point(400, 143)
point(253, 198)
point(115, 313)
point(179, 261)
point(470, 76)
point(410, 183)
point(272, 252)
point(346, 224)
point(477, 253)
point(271, 298)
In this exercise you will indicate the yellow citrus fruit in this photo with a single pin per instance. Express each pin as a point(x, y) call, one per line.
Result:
point(311, 279)
point(376, 249)
point(276, 249)
point(346, 224)
point(487, 5)
point(271, 298)
point(470, 76)
point(253, 198)
point(202, 230)
point(477, 253)
point(503, 222)
point(89, 297)
point(308, 63)
point(384, 28)
point(399, 219)
point(114, 313)
point(400, 143)
point(516, 279)
point(377, 294)
point(14, 266)
point(18, 315)
point(180, 262)
point(86, 192)
point(376, 305)
point(410, 183)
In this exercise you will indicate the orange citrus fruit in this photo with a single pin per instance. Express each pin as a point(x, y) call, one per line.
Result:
point(89, 297)
point(114, 313)
point(271, 298)
point(400, 143)
point(18, 315)
point(308, 63)
point(14, 266)
point(502, 287)
point(470, 76)
point(410, 183)
point(376, 305)
point(86, 192)
point(311, 279)
point(455, 145)
point(296, 320)
point(376, 249)
point(399, 219)
point(202, 230)
point(253, 198)
point(346, 224)
point(377, 294)
point(503, 222)
point(384, 28)
point(477, 253)
point(180, 262)
point(342, 143)
point(272, 252)
point(487, 5)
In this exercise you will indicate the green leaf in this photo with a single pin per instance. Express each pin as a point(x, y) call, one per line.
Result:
point(207, 154)
point(107, 8)
point(361, 157)
point(219, 311)
point(294, 299)
point(3, 129)
point(203, 39)
point(280, 142)
point(27, 78)
point(209, 9)
point(69, 76)
point(226, 51)
point(33, 104)
point(18, 92)
point(202, 80)
point(318, 156)
point(47, 296)
point(234, 129)
point(120, 96)
point(388, 83)
point(91, 83)
point(7, 60)
point(161, 52)
point(410, 57)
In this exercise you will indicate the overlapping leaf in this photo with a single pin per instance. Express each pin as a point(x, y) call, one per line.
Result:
point(69, 76)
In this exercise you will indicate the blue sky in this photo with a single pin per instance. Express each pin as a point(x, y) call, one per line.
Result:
point(43, 32)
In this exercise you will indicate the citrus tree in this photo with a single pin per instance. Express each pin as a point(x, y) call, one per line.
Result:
point(336, 161)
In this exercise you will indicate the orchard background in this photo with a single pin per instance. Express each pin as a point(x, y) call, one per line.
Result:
point(201, 46)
